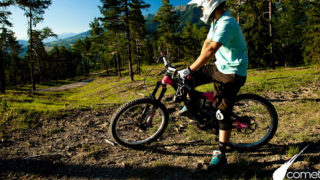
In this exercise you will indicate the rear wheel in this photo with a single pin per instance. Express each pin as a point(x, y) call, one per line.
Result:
point(255, 122)
point(139, 122)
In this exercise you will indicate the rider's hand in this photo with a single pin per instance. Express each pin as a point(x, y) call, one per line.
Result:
point(184, 73)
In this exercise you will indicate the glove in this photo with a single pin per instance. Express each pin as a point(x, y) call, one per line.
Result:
point(184, 73)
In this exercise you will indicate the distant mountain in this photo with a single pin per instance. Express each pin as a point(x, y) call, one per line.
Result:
point(190, 14)
point(24, 43)
point(187, 13)
point(68, 42)
point(60, 36)
point(24, 50)
point(151, 26)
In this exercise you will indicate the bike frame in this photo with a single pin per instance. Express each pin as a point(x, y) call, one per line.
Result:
point(167, 80)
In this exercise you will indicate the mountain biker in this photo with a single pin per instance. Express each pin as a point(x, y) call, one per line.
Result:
point(225, 40)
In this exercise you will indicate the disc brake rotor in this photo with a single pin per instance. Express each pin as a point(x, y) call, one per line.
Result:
point(251, 124)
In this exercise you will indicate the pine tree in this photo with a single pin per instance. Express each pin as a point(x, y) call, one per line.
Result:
point(116, 19)
point(256, 31)
point(15, 49)
point(83, 47)
point(96, 43)
point(271, 34)
point(138, 29)
point(4, 22)
point(311, 41)
point(96, 28)
point(38, 36)
point(34, 10)
point(54, 57)
point(192, 39)
point(128, 37)
point(168, 24)
point(112, 11)
point(235, 8)
point(288, 32)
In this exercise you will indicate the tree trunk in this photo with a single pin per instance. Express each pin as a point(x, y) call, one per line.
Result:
point(129, 40)
point(2, 78)
point(118, 64)
point(138, 58)
point(14, 71)
point(271, 36)
point(167, 46)
point(39, 68)
point(30, 53)
point(87, 67)
point(107, 69)
point(239, 10)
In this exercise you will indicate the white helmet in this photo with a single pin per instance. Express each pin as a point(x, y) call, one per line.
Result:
point(209, 6)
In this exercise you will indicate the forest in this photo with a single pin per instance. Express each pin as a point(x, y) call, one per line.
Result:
point(279, 33)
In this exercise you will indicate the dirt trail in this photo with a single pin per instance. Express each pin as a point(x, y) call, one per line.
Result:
point(73, 146)
point(67, 86)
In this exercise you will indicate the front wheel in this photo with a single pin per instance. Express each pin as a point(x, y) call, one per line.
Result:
point(139, 122)
point(255, 122)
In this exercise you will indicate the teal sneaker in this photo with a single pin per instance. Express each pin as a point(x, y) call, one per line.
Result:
point(183, 110)
point(218, 160)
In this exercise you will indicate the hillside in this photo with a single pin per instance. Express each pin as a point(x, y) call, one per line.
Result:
point(63, 133)
point(186, 13)
point(68, 42)
point(190, 14)
point(60, 36)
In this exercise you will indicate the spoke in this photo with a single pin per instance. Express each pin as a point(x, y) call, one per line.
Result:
point(139, 123)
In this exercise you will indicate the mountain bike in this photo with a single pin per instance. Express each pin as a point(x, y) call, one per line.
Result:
point(144, 120)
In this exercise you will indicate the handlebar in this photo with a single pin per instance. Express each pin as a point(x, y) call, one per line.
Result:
point(173, 73)
point(169, 67)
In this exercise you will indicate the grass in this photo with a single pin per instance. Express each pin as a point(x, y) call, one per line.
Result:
point(293, 150)
point(23, 109)
point(194, 133)
point(299, 116)
point(53, 130)
point(281, 79)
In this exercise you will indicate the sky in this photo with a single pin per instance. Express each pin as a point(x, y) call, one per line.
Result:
point(71, 16)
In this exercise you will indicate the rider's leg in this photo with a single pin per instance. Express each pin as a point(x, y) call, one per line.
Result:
point(226, 89)
point(199, 77)
point(224, 136)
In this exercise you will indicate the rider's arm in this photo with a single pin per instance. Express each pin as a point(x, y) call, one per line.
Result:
point(206, 54)
point(206, 43)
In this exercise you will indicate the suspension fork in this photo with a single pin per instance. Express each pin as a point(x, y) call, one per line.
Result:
point(153, 95)
point(163, 91)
